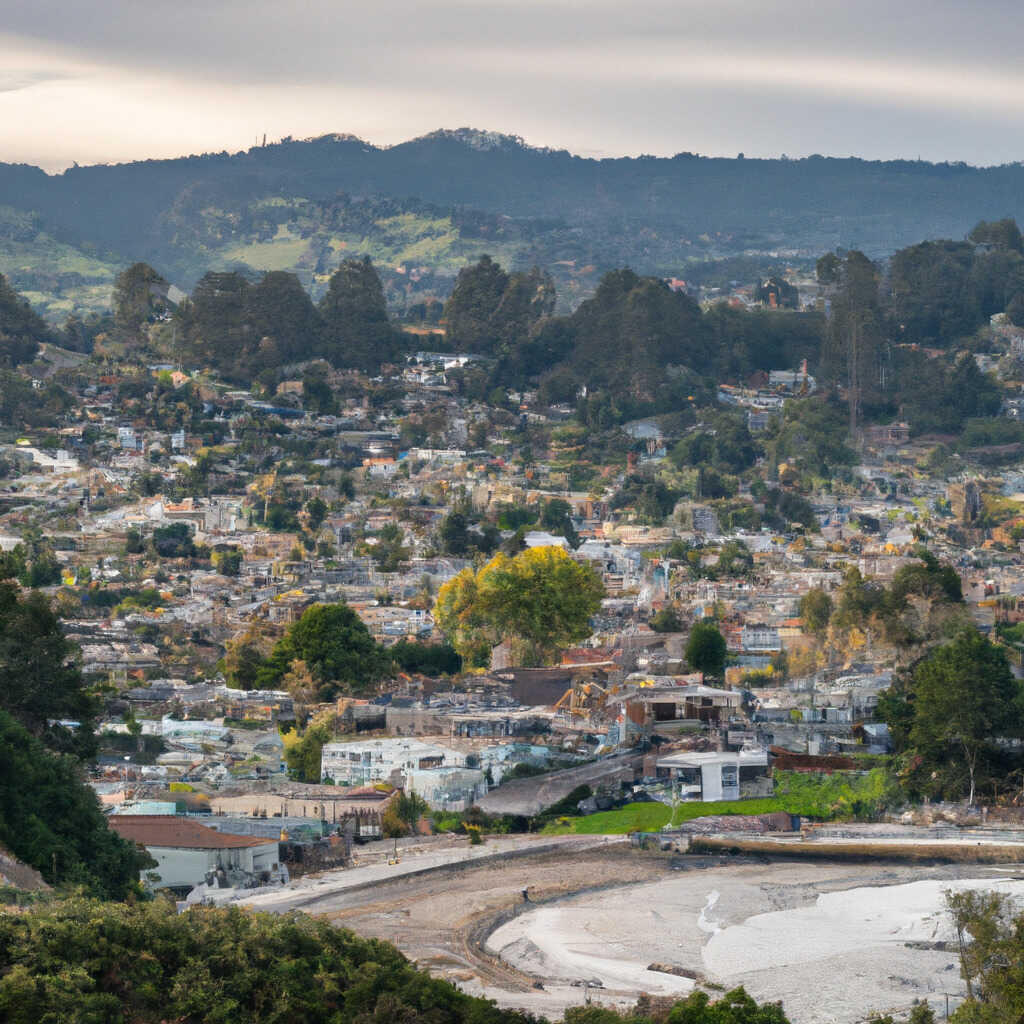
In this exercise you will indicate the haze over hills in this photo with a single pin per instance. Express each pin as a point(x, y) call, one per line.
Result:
point(426, 207)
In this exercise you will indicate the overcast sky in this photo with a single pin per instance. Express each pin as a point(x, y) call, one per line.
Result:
point(89, 81)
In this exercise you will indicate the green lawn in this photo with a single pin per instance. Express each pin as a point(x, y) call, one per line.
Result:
point(842, 795)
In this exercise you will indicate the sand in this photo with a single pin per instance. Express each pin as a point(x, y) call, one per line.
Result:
point(831, 949)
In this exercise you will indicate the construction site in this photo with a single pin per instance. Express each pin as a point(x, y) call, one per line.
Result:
point(544, 923)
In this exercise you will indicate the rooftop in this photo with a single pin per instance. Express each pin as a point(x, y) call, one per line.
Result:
point(171, 831)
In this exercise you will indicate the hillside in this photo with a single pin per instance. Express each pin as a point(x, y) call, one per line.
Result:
point(300, 205)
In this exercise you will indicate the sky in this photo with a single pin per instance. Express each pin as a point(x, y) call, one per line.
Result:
point(89, 82)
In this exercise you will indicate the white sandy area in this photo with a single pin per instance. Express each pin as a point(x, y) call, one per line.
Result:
point(839, 923)
point(830, 956)
point(583, 943)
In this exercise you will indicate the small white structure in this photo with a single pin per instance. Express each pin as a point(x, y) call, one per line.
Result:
point(712, 775)
point(543, 539)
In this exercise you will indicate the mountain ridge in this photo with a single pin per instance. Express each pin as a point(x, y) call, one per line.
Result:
point(666, 216)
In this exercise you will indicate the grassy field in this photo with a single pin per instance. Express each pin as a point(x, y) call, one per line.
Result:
point(282, 253)
point(843, 795)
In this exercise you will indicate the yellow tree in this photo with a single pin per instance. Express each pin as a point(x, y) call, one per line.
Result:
point(540, 600)
point(458, 613)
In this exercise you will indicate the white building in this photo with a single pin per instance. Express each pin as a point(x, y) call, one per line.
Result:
point(383, 760)
point(186, 851)
point(543, 539)
point(759, 638)
point(713, 775)
point(438, 774)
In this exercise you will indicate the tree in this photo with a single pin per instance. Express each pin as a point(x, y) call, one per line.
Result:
point(228, 563)
point(21, 328)
point(139, 294)
point(459, 614)
point(816, 610)
point(146, 963)
point(960, 699)
point(492, 312)
point(52, 820)
point(336, 647)
point(666, 621)
point(356, 331)
point(303, 752)
point(408, 808)
point(556, 518)
point(990, 941)
point(278, 309)
point(705, 650)
point(390, 552)
point(1000, 234)
point(40, 680)
point(174, 541)
point(539, 599)
point(453, 534)
point(425, 658)
point(316, 510)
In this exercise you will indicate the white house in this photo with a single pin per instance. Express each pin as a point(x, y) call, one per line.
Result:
point(384, 467)
point(713, 775)
point(186, 851)
point(438, 774)
point(384, 760)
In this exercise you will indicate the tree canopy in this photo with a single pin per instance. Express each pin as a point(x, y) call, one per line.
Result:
point(705, 650)
point(40, 681)
point(21, 329)
point(539, 600)
point(52, 820)
point(335, 647)
point(949, 714)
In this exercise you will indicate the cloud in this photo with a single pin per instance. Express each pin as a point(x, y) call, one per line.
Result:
point(937, 78)
point(13, 80)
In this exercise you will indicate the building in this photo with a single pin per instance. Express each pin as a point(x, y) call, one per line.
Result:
point(888, 434)
point(380, 467)
point(714, 775)
point(757, 638)
point(390, 760)
point(188, 853)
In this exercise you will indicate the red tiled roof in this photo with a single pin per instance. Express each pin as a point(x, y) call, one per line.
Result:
point(171, 830)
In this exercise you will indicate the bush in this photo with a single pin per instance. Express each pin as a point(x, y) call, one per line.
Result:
point(84, 961)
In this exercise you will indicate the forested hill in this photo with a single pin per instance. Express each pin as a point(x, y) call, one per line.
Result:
point(439, 201)
point(814, 203)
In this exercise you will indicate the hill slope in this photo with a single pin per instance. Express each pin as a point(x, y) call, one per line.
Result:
point(297, 204)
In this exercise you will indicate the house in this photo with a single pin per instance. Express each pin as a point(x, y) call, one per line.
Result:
point(667, 702)
point(758, 638)
point(187, 852)
point(383, 760)
point(383, 467)
point(713, 775)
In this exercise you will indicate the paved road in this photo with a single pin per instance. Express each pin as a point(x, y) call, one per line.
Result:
point(531, 796)
point(305, 892)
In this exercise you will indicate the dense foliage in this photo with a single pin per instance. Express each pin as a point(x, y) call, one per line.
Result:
point(705, 649)
point(21, 330)
point(990, 940)
point(951, 712)
point(84, 961)
point(334, 647)
point(538, 601)
point(247, 329)
point(40, 682)
point(52, 820)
